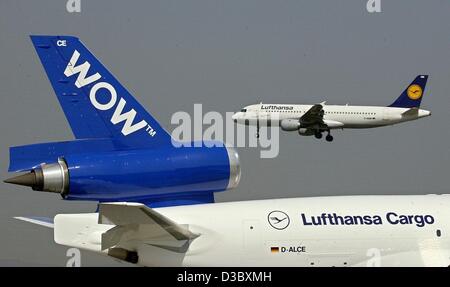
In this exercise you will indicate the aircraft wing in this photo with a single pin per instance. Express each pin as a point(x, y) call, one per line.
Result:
point(314, 116)
point(137, 222)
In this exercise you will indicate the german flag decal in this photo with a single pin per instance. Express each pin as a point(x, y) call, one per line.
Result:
point(274, 249)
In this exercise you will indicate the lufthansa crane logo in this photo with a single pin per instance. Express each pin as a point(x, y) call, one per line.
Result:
point(414, 92)
point(278, 219)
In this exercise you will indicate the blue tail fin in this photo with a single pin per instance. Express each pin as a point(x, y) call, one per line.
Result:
point(413, 94)
point(94, 102)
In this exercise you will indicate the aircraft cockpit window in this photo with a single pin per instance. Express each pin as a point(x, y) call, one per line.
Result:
point(244, 110)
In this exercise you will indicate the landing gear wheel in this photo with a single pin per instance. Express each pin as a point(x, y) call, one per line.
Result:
point(329, 138)
point(318, 135)
point(257, 129)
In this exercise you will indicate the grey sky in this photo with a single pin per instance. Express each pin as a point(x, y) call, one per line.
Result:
point(225, 55)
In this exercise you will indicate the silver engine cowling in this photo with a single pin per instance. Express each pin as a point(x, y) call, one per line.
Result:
point(51, 177)
point(235, 167)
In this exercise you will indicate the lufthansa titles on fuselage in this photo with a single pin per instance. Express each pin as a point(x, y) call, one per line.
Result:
point(389, 218)
point(277, 108)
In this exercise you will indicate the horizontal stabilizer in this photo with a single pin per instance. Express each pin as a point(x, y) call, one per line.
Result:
point(411, 112)
point(42, 221)
point(135, 221)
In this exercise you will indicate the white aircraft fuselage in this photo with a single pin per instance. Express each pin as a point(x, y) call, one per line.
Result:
point(321, 231)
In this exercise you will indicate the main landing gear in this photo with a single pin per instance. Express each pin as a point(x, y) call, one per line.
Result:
point(328, 138)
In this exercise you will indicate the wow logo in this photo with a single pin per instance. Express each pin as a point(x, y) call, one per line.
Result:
point(119, 115)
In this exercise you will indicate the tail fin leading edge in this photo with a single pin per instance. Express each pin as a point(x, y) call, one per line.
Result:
point(96, 105)
point(413, 94)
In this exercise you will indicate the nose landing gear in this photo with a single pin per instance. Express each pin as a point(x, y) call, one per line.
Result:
point(329, 137)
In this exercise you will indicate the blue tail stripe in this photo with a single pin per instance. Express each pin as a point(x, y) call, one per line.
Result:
point(413, 94)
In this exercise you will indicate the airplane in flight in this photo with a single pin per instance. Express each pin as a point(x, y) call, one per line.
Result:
point(156, 200)
point(316, 119)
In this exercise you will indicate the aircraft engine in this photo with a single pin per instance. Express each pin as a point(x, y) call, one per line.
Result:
point(185, 173)
point(290, 124)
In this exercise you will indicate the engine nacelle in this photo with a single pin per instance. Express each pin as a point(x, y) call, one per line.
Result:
point(290, 124)
point(305, 132)
point(184, 174)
